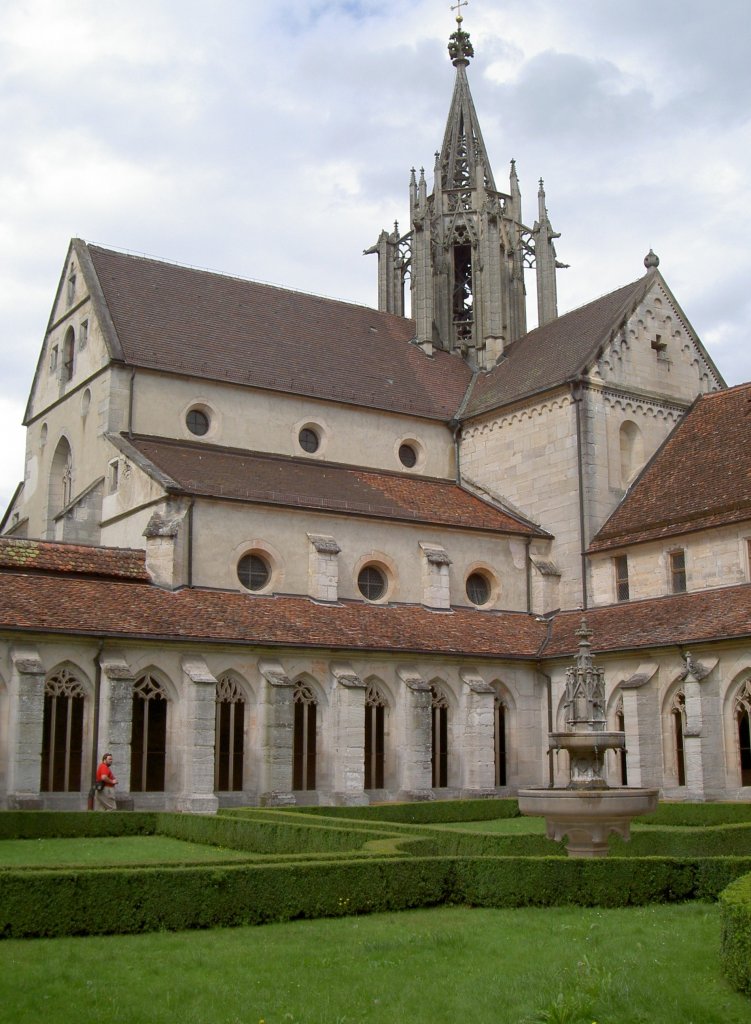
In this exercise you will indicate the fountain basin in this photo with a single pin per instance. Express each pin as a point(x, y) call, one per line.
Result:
point(587, 817)
point(581, 742)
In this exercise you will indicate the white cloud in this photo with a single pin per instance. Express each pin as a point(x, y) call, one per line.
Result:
point(275, 141)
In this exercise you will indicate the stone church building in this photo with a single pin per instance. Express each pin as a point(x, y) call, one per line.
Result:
point(275, 548)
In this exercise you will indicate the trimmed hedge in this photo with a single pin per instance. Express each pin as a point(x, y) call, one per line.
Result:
point(126, 900)
point(697, 815)
point(735, 949)
point(75, 824)
point(427, 812)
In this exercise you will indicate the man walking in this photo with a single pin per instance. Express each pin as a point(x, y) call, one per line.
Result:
point(104, 788)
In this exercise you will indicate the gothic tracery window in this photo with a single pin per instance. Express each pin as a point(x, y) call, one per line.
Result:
point(148, 742)
point(501, 733)
point(678, 719)
point(304, 738)
point(742, 715)
point(229, 740)
point(375, 742)
point(62, 733)
point(440, 737)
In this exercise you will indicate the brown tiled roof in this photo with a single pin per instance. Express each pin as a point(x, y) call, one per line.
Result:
point(700, 478)
point(18, 555)
point(114, 609)
point(207, 325)
point(556, 353)
point(677, 619)
point(202, 469)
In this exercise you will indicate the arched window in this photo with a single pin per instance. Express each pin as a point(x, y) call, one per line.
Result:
point(304, 739)
point(632, 451)
point(440, 755)
point(229, 742)
point(148, 740)
point(60, 489)
point(375, 738)
point(62, 733)
point(500, 721)
point(620, 726)
point(69, 355)
point(678, 718)
point(742, 714)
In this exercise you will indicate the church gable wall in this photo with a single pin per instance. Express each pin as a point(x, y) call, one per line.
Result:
point(528, 457)
point(272, 421)
point(78, 422)
point(656, 352)
point(713, 558)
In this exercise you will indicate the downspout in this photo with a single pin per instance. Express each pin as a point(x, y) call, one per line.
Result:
point(529, 575)
point(97, 701)
point(577, 394)
point(130, 402)
point(456, 428)
point(190, 541)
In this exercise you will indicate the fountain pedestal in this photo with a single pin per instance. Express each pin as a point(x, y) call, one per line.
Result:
point(588, 809)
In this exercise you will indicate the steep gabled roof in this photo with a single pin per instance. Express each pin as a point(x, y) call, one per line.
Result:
point(556, 353)
point(187, 321)
point(698, 479)
point(235, 474)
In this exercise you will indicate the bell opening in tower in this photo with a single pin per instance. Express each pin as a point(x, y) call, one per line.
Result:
point(463, 307)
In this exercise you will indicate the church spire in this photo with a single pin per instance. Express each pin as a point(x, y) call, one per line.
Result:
point(466, 249)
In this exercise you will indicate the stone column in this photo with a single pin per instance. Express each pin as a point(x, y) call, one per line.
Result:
point(199, 730)
point(276, 711)
point(349, 746)
point(643, 729)
point(116, 721)
point(693, 731)
point(479, 735)
point(417, 745)
point(25, 721)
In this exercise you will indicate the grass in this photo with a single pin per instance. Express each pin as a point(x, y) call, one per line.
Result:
point(646, 965)
point(109, 851)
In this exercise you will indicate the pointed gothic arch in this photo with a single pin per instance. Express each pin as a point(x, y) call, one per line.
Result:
point(439, 710)
point(62, 732)
point(376, 714)
point(229, 736)
point(631, 444)
point(148, 739)
point(305, 737)
point(742, 720)
point(60, 486)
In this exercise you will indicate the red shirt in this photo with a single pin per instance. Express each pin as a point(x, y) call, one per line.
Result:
point(104, 774)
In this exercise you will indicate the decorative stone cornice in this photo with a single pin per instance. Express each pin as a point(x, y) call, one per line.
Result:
point(346, 676)
point(274, 674)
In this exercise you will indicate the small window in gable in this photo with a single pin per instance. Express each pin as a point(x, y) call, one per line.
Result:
point(678, 572)
point(69, 347)
point(71, 293)
point(114, 475)
point(620, 566)
point(83, 335)
point(53, 358)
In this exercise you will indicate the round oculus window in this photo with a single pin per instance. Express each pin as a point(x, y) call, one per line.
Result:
point(197, 422)
point(478, 588)
point(309, 440)
point(371, 582)
point(407, 455)
point(254, 572)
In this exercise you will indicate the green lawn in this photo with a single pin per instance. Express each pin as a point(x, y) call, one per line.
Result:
point(108, 851)
point(645, 965)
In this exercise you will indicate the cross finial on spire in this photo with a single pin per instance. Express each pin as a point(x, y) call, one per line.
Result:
point(460, 48)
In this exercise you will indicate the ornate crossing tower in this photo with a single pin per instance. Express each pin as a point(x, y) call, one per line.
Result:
point(467, 247)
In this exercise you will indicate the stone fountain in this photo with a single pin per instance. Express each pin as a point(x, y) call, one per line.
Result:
point(588, 809)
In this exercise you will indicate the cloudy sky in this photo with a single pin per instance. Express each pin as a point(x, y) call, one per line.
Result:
point(272, 139)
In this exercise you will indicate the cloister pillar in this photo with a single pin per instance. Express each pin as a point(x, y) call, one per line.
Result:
point(417, 742)
point(349, 744)
point(199, 729)
point(277, 712)
point(26, 718)
point(478, 741)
